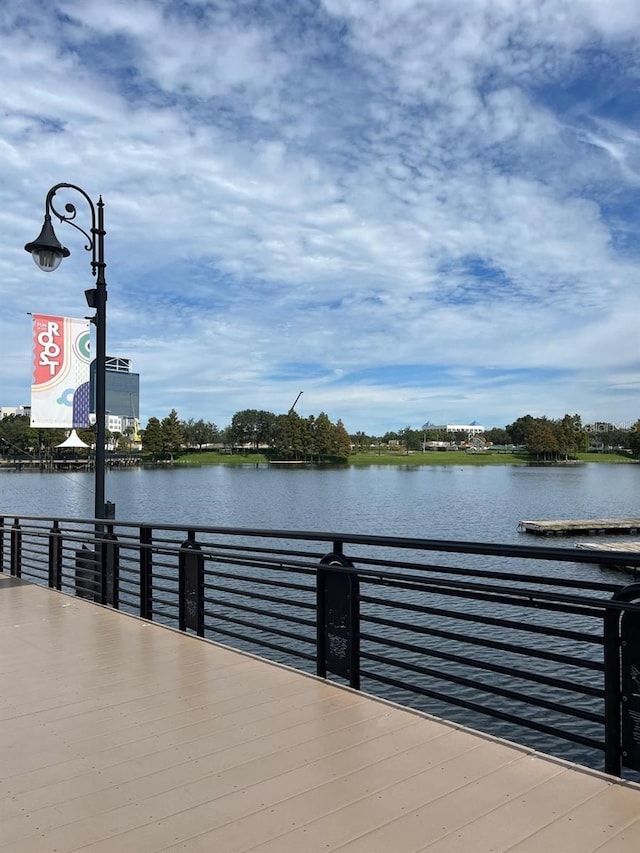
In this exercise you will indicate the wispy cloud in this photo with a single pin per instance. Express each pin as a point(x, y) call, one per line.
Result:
point(418, 210)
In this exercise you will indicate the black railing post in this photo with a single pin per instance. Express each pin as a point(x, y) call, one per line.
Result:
point(630, 682)
point(622, 684)
point(612, 693)
point(88, 571)
point(338, 618)
point(191, 586)
point(55, 556)
point(146, 569)
point(109, 568)
point(1, 544)
point(16, 549)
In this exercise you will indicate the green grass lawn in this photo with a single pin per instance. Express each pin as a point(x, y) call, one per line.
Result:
point(459, 457)
point(213, 458)
point(436, 457)
point(606, 457)
point(432, 457)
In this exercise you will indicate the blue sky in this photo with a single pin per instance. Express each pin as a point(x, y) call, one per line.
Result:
point(412, 210)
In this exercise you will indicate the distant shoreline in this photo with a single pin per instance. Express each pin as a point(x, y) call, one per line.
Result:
point(416, 458)
point(366, 460)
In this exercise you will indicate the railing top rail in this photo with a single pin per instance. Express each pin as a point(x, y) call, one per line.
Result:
point(530, 552)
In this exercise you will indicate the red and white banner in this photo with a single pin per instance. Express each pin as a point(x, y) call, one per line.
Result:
point(60, 394)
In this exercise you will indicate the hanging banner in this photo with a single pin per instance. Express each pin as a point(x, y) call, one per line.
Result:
point(60, 393)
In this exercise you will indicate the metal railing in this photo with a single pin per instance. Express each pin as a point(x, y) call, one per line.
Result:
point(529, 643)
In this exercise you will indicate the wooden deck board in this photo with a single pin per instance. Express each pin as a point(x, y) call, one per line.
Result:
point(621, 547)
point(118, 736)
point(567, 526)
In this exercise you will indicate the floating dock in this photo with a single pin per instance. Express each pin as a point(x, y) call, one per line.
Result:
point(587, 526)
point(613, 547)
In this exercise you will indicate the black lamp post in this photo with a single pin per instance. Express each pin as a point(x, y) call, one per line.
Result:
point(48, 252)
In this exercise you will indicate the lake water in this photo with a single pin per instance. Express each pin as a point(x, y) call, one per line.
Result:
point(446, 502)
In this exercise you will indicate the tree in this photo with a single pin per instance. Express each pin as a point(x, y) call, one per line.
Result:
point(496, 436)
point(290, 437)
point(634, 438)
point(48, 440)
point(17, 435)
point(310, 438)
point(572, 437)
point(88, 436)
point(361, 440)
point(197, 433)
point(602, 435)
point(323, 437)
point(152, 438)
point(252, 426)
point(172, 435)
point(518, 430)
point(341, 446)
point(411, 438)
point(123, 444)
point(543, 439)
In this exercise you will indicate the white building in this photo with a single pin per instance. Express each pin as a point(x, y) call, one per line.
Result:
point(474, 428)
point(8, 411)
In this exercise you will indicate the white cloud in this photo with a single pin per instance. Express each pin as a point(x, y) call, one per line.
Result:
point(354, 188)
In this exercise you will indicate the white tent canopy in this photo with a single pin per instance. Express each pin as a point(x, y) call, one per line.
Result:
point(73, 440)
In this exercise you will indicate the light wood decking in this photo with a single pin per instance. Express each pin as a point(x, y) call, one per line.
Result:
point(122, 736)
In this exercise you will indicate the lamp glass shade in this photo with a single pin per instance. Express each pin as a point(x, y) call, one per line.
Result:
point(47, 260)
point(46, 250)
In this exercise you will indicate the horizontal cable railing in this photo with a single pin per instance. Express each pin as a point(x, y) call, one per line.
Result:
point(525, 642)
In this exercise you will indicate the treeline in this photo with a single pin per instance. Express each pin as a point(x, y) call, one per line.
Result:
point(290, 437)
point(18, 437)
point(548, 439)
point(567, 436)
point(541, 437)
point(286, 437)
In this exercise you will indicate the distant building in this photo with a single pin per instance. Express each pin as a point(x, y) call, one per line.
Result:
point(8, 411)
point(439, 445)
point(122, 394)
point(476, 444)
point(474, 428)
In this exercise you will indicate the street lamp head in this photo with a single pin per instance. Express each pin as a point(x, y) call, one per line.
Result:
point(46, 250)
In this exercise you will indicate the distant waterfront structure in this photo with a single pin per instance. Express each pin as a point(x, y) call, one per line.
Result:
point(122, 394)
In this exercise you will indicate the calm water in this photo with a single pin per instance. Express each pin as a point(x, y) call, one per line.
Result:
point(450, 502)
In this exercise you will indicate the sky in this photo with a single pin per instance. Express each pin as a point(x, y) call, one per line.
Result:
point(410, 210)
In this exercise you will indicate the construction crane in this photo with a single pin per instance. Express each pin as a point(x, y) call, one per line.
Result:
point(290, 412)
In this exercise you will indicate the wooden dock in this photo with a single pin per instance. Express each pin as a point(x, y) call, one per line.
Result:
point(579, 526)
point(123, 736)
point(614, 547)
